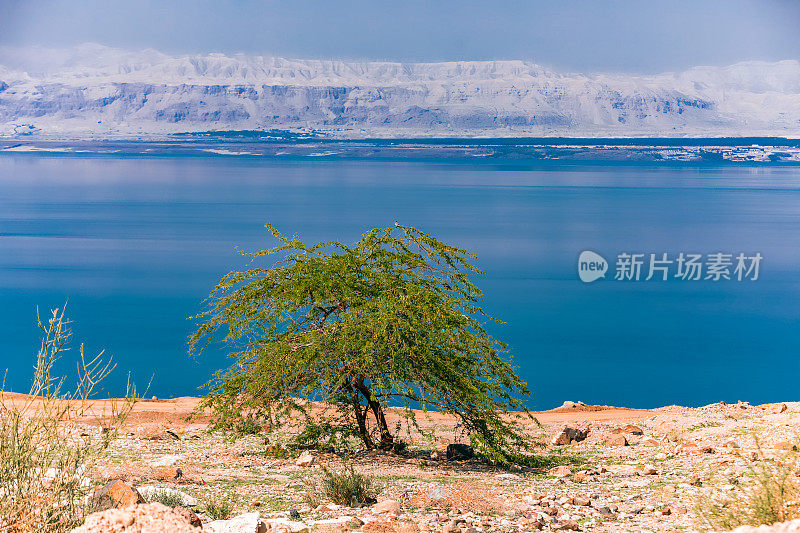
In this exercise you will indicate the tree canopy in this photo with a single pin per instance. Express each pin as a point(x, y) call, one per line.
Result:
point(392, 320)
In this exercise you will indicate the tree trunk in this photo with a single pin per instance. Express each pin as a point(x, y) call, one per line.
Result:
point(387, 440)
point(361, 420)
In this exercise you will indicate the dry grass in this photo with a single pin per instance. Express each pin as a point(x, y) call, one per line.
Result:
point(44, 451)
point(770, 494)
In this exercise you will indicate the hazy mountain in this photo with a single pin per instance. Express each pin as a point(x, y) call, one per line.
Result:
point(96, 90)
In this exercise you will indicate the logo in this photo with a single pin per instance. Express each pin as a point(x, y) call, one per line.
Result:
point(591, 266)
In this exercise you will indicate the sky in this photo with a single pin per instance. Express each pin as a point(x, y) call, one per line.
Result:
point(576, 35)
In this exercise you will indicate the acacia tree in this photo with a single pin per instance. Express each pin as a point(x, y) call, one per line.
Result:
point(391, 320)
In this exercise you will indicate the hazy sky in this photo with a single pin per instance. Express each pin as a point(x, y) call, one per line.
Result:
point(582, 35)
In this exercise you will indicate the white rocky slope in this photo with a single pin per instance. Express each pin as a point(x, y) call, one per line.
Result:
point(96, 90)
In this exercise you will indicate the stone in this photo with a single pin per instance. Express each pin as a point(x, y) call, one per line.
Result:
point(451, 527)
point(779, 408)
point(438, 494)
point(569, 524)
point(583, 502)
point(569, 435)
point(695, 481)
point(648, 470)
point(387, 507)
point(190, 516)
point(115, 494)
point(786, 445)
point(629, 430)
point(342, 524)
point(281, 525)
point(459, 452)
point(149, 493)
point(623, 470)
point(408, 527)
point(649, 441)
point(560, 471)
point(294, 514)
point(305, 459)
point(616, 439)
point(246, 523)
point(143, 518)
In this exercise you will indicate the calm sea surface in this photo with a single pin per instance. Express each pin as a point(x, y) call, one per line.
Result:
point(135, 244)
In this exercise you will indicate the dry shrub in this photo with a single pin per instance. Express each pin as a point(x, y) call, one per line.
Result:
point(44, 453)
point(346, 487)
point(770, 494)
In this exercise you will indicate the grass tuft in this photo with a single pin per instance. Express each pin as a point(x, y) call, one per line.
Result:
point(220, 508)
point(770, 494)
point(346, 487)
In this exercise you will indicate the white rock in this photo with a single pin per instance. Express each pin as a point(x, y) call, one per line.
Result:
point(305, 459)
point(167, 460)
point(246, 523)
point(281, 525)
point(150, 492)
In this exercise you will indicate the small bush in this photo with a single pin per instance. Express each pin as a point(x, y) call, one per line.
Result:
point(220, 508)
point(166, 497)
point(348, 487)
point(770, 495)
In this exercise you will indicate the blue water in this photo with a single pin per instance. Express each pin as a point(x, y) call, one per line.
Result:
point(135, 244)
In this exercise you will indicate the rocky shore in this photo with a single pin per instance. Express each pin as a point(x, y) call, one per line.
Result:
point(602, 469)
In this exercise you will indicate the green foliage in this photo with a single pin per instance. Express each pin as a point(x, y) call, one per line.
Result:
point(323, 435)
point(169, 498)
point(768, 495)
point(391, 319)
point(219, 508)
point(347, 487)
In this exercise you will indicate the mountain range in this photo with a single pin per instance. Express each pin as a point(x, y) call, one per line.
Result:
point(98, 91)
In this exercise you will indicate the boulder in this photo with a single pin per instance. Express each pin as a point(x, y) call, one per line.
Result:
point(114, 494)
point(628, 430)
point(144, 518)
point(560, 471)
point(569, 435)
point(281, 525)
point(459, 452)
point(150, 493)
point(569, 524)
point(305, 459)
point(246, 523)
point(189, 515)
point(387, 507)
point(616, 439)
point(343, 524)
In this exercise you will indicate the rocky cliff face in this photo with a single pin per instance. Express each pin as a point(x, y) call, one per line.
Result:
point(98, 90)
